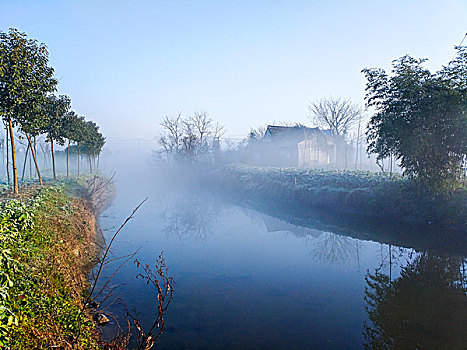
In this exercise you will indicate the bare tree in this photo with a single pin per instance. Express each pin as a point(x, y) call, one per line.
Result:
point(201, 123)
point(218, 131)
point(332, 248)
point(256, 134)
point(170, 140)
point(336, 114)
point(192, 137)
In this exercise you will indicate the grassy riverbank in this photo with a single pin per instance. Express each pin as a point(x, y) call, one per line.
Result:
point(380, 196)
point(47, 247)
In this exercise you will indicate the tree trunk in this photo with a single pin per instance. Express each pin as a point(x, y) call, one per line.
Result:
point(30, 167)
point(33, 152)
point(345, 155)
point(67, 156)
point(356, 155)
point(90, 164)
point(390, 264)
point(13, 157)
point(24, 164)
point(361, 158)
point(98, 159)
point(7, 156)
point(79, 146)
point(94, 160)
point(335, 156)
point(53, 157)
point(34, 146)
point(357, 148)
point(3, 153)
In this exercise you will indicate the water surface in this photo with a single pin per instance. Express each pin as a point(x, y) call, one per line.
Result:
point(248, 279)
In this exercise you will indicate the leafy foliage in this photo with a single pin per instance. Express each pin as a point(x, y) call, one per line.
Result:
point(56, 108)
point(421, 118)
point(25, 77)
point(73, 127)
point(27, 100)
point(38, 303)
point(93, 139)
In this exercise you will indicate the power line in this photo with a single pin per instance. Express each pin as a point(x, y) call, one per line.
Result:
point(462, 41)
point(465, 36)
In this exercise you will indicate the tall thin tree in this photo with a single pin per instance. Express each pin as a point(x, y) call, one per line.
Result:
point(57, 108)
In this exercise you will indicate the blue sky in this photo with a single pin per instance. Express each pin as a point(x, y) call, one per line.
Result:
point(127, 64)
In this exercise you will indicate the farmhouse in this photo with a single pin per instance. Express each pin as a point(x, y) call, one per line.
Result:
point(292, 146)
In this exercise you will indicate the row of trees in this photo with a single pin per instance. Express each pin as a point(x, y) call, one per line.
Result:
point(29, 105)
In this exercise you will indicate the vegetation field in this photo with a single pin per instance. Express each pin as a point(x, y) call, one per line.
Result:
point(46, 251)
point(351, 192)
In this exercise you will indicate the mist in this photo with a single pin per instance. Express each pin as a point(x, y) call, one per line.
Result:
point(268, 175)
point(236, 250)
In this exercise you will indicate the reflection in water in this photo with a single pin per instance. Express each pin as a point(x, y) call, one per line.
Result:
point(326, 247)
point(276, 225)
point(193, 216)
point(331, 248)
point(243, 287)
point(425, 308)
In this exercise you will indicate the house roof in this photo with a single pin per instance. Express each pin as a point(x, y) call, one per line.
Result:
point(292, 134)
point(274, 130)
point(296, 133)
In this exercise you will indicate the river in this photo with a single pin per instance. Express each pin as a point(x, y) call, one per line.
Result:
point(246, 278)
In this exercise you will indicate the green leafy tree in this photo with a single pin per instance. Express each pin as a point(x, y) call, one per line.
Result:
point(25, 81)
point(32, 128)
point(56, 108)
point(97, 147)
point(94, 141)
point(32, 125)
point(80, 135)
point(421, 118)
point(70, 130)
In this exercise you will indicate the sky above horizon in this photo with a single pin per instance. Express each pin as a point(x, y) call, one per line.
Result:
point(127, 64)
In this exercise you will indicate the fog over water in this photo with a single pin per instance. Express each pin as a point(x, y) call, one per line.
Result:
point(299, 166)
point(246, 278)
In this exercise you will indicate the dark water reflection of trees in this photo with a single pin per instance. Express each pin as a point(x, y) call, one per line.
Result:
point(192, 216)
point(331, 248)
point(424, 308)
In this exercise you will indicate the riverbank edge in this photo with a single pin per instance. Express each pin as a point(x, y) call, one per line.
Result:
point(388, 199)
point(56, 240)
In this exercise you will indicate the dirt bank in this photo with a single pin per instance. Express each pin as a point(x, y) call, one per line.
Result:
point(49, 236)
